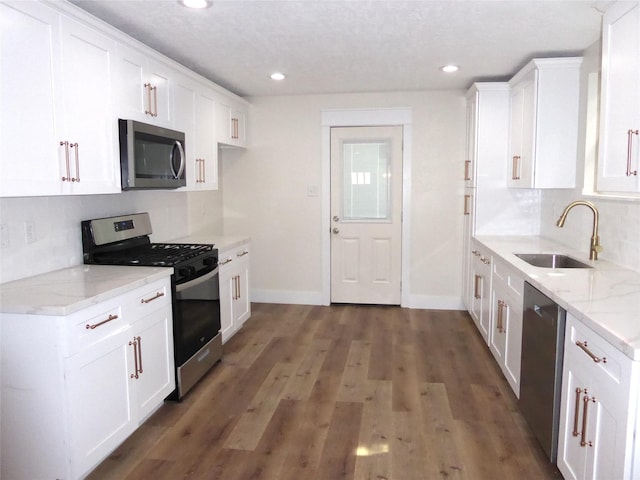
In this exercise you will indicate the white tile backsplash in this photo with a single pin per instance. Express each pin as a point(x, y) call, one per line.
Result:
point(619, 228)
point(56, 221)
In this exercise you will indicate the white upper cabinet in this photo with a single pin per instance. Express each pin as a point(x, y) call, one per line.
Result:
point(143, 87)
point(619, 150)
point(56, 105)
point(195, 115)
point(544, 124)
point(231, 123)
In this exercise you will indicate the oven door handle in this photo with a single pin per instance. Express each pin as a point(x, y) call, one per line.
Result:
point(197, 281)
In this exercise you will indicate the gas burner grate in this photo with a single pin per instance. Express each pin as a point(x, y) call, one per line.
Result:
point(154, 254)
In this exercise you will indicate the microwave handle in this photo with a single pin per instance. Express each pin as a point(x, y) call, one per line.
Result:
point(178, 174)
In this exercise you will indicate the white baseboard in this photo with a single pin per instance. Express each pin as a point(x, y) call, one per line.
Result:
point(294, 297)
point(290, 297)
point(436, 302)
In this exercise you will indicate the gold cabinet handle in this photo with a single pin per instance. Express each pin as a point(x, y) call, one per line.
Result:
point(475, 252)
point(139, 354)
point(515, 168)
point(155, 297)
point(501, 306)
point(476, 287)
point(155, 101)
point(235, 128)
point(466, 204)
point(134, 343)
point(594, 357)
point(243, 253)
point(467, 169)
point(225, 261)
point(203, 178)
point(576, 413)
point(585, 411)
point(110, 318)
point(66, 159)
point(148, 111)
point(629, 149)
point(484, 260)
point(238, 283)
point(77, 177)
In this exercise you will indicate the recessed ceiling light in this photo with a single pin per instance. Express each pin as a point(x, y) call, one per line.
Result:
point(450, 68)
point(195, 3)
point(277, 76)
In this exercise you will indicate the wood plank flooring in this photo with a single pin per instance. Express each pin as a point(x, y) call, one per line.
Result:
point(341, 392)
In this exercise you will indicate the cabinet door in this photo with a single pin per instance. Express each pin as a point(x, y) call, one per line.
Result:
point(572, 457)
point(230, 124)
point(471, 145)
point(156, 378)
point(143, 88)
point(206, 146)
point(29, 92)
point(227, 289)
point(522, 134)
point(184, 118)
point(481, 287)
point(242, 303)
point(99, 386)
point(497, 336)
point(512, 319)
point(469, 216)
point(89, 125)
point(619, 154)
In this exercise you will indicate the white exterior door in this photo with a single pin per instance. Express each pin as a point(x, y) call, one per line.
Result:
point(366, 214)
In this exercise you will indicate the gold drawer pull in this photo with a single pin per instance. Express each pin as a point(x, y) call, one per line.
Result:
point(576, 414)
point(109, 318)
point(243, 253)
point(595, 358)
point(148, 300)
point(225, 261)
point(583, 437)
point(629, 147)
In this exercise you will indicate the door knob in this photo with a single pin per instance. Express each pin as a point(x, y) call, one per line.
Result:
point(335, 230)
point(336, 218)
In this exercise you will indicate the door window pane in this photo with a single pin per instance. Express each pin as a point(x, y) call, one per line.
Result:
point(366, 181)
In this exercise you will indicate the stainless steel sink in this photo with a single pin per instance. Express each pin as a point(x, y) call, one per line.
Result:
point(551, 260)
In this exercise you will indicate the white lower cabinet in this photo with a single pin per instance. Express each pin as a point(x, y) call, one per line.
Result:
point(481, 289)
point(599, 407)
point(505, 338)
point(235, 302)
point(75, 387)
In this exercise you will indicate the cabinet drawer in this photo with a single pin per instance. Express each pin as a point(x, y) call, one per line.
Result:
point(148, 299)
point(231, 257)
point(88, 327)
point(610, 367)
point(508, 280)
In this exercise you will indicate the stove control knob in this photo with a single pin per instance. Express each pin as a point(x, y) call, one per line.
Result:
point(209, 261)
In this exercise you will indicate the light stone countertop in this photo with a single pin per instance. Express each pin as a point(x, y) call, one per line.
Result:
point(221, 242)
point(66, 291)
point(606, 298)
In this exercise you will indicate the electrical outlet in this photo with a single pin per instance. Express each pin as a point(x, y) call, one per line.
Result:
point(29, 232)
point(4, 236)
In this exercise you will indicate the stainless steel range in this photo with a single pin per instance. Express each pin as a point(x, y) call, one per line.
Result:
point(124, 240)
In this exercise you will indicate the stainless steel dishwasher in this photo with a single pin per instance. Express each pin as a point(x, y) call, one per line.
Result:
point(541, 368)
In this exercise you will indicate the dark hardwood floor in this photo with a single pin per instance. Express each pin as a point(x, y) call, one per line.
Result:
point(341, 392)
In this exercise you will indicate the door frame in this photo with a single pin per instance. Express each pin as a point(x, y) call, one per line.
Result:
point(366, 117)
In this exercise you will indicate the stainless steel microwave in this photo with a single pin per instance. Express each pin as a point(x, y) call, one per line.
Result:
point(151, 156)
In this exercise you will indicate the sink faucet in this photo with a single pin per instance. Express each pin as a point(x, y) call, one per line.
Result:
point(595, 239)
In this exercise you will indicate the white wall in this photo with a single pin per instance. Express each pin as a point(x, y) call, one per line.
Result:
point(266, 193)
point(57, 224)
point(619, 219)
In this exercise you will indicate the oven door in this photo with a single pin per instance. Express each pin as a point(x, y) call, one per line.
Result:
point(196, 315)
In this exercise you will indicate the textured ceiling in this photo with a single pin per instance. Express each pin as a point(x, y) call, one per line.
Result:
point(335, 46)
